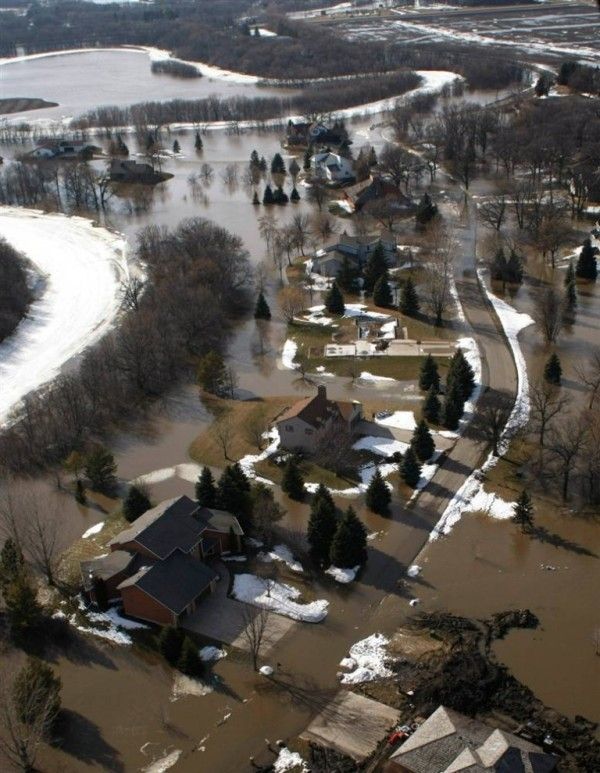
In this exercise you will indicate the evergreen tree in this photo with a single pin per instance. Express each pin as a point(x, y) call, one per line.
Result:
point(334, 300)
point(278, 164)
point(36, 693)
point(410, 468)
point(571, 287)
point(212, 374)
point(432, 406)
point(11, 563)
point(279, 196)
point(429, 375)
point(307, 158)
point(233, 495)
point(507, 270)
point(409, 300)
point(100, 468)
point(262, 164)
point(587, 267)
point(255, 199)
point(374, 268)
point(382, 292)
point(347, 276)
point(100, 593)
point(294, 195)
point(80, 495)
point(323, 494)
point(294, 170)
point(170, 642)
point(189, 662)
point(553, 370)
point(454, 405)
point(23, 612)
point(205, 488)
point(523, 511)
point(422, 442)
point(293, 482)
point(135, 503)
point(378, 495)
point(198, 142)
point(372, 157)
point(262, 310)
point(176, 147)
point(254, 160)
point(240, 477)
point(322, 525)
point(349, 544)
point(426, 210)
point(268, 195)
point(461, 374)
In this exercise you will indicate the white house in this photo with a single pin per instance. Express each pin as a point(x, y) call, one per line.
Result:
point(332, 168)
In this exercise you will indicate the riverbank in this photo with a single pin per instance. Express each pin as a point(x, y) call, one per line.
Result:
point(23, 104)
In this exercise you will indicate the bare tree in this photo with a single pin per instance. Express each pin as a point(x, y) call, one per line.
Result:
point(566, 444)
point(546, 403)
point(439, 270)
point(334, 449)
point(589, 374)
point(42, 541)
point(550, 313)
point(256, 622)
point(492, 211)
point(317, 193)
point(255, 426)
point(224, 431)
point(300, 229)
point(324, 226)
point(291, 302)
point(492, 416)
point(131, 292)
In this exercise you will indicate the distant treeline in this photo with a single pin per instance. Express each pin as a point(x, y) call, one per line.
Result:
point(176, 68)
point(325, 97)
point(580, 77)
point(15, 295)
point(198, 279)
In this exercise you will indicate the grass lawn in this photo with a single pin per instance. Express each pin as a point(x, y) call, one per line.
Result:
point(236, 422)
point(400, 368)
point(311, 472)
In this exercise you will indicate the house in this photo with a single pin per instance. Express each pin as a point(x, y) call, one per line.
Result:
point(157, 567)
point(379, 188)
point(355, 250)
point(304, 133)
point(449, 741)
point(125, 171)
point(303, 426)
point(71, 149)
point(332, 168)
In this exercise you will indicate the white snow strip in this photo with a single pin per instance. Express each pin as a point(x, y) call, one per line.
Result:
point(287, 760)
point(209, 654)
point(399, 420)
point(96, 529)
point(366, 376)
point(83, 267)
point(284, 554)
point(344, 576)
point(164, 763)
point(288, 353)
point(278, 597)
point(247, 462)
point(367, 660)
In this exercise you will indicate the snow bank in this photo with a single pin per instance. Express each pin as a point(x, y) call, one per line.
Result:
point(398, 420)
point(287, 760)
point(344, 576)
point(209, 654)
point(277, 597)
point(367, 660)
point(83, 267)
point(284, 554)
point(113, 625)
point(266, 670)
point(414, 570)
point(247, 462)
point(366, 376)
point(96, 529)
point(288, 353)
point(164, 763)
point(380, 445)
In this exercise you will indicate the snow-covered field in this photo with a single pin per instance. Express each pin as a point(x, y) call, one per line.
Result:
point(83, 267)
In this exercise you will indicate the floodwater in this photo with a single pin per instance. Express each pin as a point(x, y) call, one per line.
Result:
point(120, 703)
point(81, 81)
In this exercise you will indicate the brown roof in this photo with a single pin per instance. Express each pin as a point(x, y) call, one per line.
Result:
point(318, 409)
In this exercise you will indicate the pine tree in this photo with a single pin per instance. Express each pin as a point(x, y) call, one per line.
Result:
point(262, 164)
point(279, 196)
point(307, 158)
point(334, 300)
point(553, 370)
point(205, 488)
point(198, 142)
point(36, 693)
point(461, 374)
point(378, 495)
point(23, 612)
point(294, 195)
point(409, 300)
point(523, 511)
point(372, 157)
point(454, 406)
point(255, 160)
point(170, 642)
point(422, 442)
point(255, 199)
point(135, 503)
point(262, 310)
point(189, 662)
point(323, 494)
point(426, 210)
point(233, 495)
point(382, 292)
point(587, 267)
point(347, 276)
point(349, 544)
point(571, 287)
point(212, 374)
point(432, 406)
point(375, 267)
point(278, 164)
point(240, 477)
point(176, 147)
point(322, 525)
point(80, 495)
point(294, 170)
point(100, 468)
point(11, 563)
point(292, 482)
point(268, 195)
point(429, 375)
point(410, 468)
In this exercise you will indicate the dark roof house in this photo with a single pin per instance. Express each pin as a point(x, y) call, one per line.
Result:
point(449, 742)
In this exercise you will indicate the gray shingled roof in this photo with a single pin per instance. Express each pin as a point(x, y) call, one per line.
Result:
point(105, 567)
point(171, 525)
point(174, 582)
point(220, 520)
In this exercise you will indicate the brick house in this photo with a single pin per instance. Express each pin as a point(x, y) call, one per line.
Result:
point(302, 426)
point(157, 568)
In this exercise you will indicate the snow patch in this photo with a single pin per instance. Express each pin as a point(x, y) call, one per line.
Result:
point(287, 760)
point(278, 597)
point(266, 670)
point(367, 660)
point(284, 554)
point(344, 576)
point(164, 763)
point(398, 420)
point(184, 685)
point(209, 654)
point(96, 529)
point(288, 353)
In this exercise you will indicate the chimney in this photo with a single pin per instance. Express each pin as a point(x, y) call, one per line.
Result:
point(322, 392)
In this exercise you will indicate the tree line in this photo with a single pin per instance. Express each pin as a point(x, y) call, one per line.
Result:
point(15, 293)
